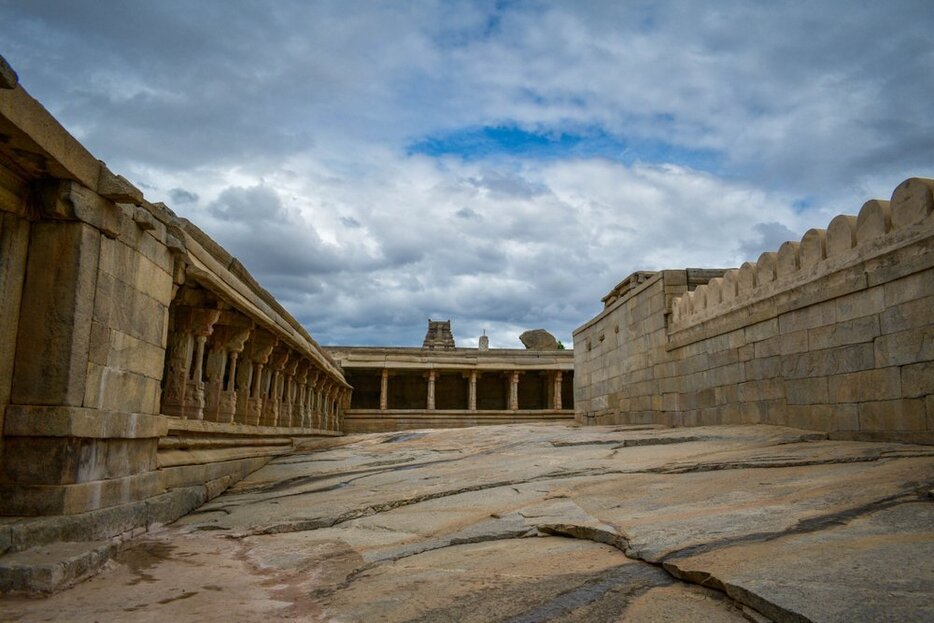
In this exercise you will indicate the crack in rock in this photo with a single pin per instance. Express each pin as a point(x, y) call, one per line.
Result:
point(638, 579)
point(769, 463)
point(803, 526)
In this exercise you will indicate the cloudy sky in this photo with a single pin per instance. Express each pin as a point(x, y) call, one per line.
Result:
point(501, 164)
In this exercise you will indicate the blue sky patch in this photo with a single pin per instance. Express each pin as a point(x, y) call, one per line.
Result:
point(479, 143)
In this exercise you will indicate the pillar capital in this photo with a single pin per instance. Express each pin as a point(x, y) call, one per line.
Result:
point(259, 346)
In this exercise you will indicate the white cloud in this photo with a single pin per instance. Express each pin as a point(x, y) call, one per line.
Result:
point(284, 130)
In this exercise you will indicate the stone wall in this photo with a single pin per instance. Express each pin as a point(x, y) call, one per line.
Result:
point(140, 364)
point(834, 333)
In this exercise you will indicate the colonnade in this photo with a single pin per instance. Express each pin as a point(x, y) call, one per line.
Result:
point(223, 367)
point(472, 377)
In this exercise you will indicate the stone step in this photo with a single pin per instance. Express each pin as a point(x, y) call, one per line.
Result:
point(50, 568)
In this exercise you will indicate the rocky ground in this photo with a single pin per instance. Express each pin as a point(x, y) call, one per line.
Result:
point(528, 523)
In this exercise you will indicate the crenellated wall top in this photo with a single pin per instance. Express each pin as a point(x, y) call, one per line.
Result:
point(879, 226)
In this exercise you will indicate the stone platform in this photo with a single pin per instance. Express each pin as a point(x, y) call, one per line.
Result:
point(542, 523)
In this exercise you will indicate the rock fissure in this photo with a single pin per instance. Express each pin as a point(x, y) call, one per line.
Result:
point(804, 526)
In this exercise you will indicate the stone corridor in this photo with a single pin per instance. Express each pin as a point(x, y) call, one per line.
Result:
point(542, 523)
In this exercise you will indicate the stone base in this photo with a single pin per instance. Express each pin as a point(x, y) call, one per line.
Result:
point(33, 500)
point(376, 421)
point(50, 568)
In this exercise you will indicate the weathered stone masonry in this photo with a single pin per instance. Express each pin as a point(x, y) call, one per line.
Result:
point(142, 369)
point(834, 333)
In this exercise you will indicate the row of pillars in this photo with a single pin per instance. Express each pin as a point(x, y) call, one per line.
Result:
point(472, 376)
point(221, 367)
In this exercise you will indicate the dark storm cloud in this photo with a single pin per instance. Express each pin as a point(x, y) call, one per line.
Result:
point(180, 195)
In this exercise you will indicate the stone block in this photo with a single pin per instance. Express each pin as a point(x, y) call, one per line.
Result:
point(900, 261)
point(118, 390)
point(133, 355)
point(855, 331)
point(770, 347)
point(762, 330)
point(865, 386)
point(731, 414)
point(706, 398)
point(136, 270)
point(827, 362)
point(725, 394)
point(55, 324)
point(859, 304)
point(670, 402)
point(908, 315)
point(33, 500)
point(807, 391)
point(687, 400)
point(917, 379)
point(166, 508)
point(69, 460)
point(125, 309)
point(710, 416)
point(905, 347)
point(907, 414)
point(814, 417)
point(59, 421)
point(746, 353)
point(50, 568)
point(809, 317)
point(723, 357)
point(795, 342)
point(763, 367)
point(14, 241)
point(752, 413)
point(724, 375)
point(913, 287)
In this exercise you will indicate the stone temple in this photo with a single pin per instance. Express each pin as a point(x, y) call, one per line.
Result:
point(720, 444)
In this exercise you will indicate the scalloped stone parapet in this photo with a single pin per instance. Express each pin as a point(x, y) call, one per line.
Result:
point(912, 201)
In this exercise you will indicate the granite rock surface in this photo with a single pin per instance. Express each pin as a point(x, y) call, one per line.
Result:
point(542, 523)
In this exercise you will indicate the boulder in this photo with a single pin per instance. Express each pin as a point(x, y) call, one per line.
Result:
point(539, 339)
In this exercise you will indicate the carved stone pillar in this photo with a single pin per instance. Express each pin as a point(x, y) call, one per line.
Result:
point(224, 348)
point(514, 391)
point(299, 393)
point(251, 376)
point(321, 412)
point(275, 369)
point(336, 406)
point(557, 399)
point(472, 391)
point(184, 387)
point(431, 390)
point(384, 390)
point(311, 408)
point(287, 390)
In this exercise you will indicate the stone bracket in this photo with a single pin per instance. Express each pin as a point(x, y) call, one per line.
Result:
point(117, 188)
point(67, 200)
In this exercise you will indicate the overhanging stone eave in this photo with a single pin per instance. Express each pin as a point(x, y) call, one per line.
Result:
point(263, 316)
